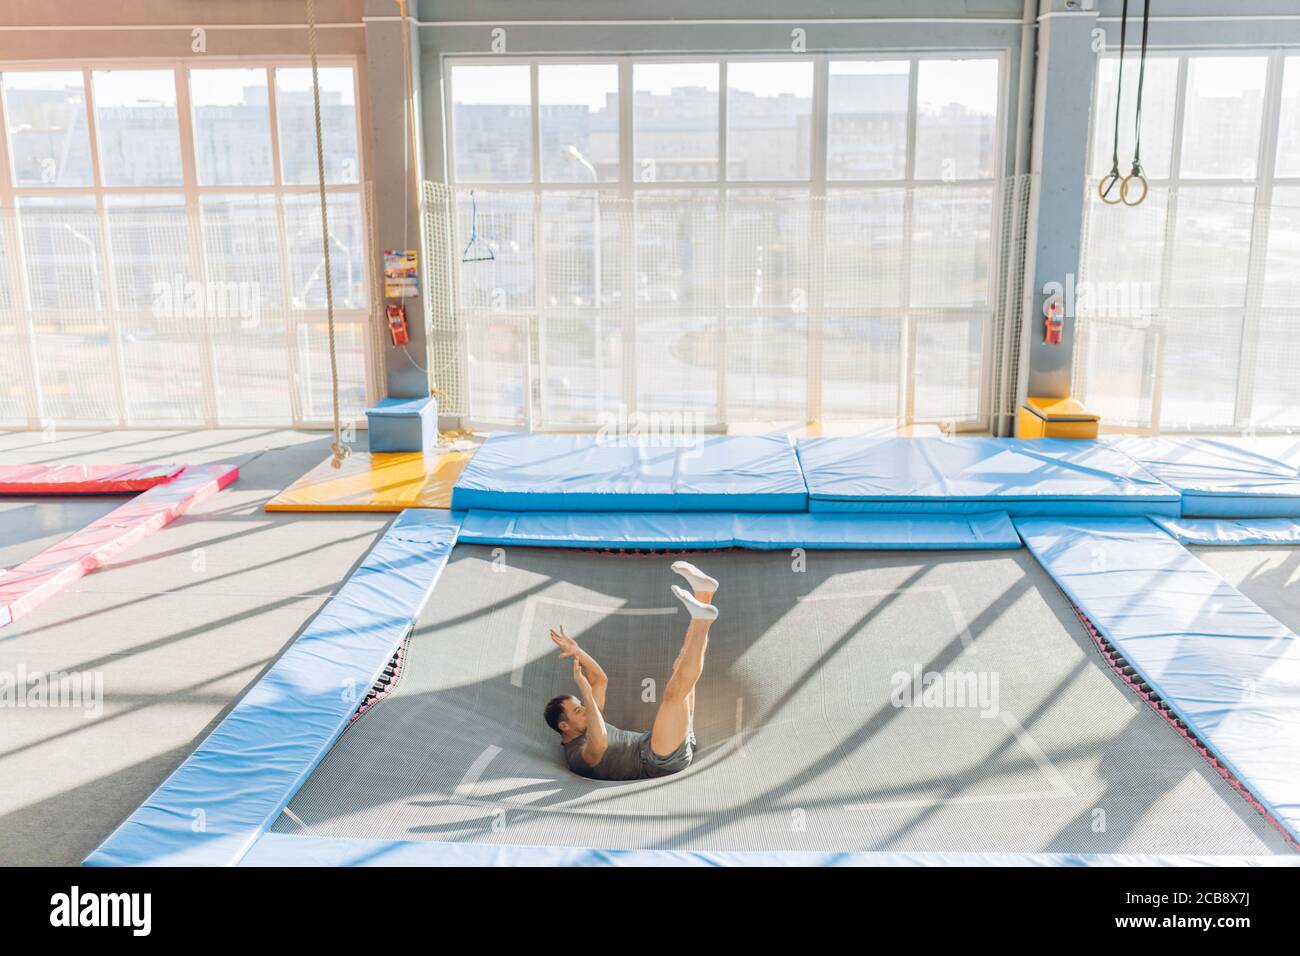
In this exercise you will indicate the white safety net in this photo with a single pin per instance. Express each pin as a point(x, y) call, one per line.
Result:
point(569, 309)
point(1186, 310)
point(160, 314)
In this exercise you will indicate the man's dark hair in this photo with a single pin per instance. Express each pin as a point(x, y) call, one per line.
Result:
point(554, 712)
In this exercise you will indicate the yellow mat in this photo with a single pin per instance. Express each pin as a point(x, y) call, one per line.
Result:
point(375, 482)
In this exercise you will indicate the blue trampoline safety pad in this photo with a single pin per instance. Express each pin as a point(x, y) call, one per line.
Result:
point(766, 532)
point(1223, 665)
point(1231, 531)
point(221, 799)
point(970, 475)
point(1218, 478)
point(594, 473)
point(281, 849)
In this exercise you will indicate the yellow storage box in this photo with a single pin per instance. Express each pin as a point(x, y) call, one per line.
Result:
point(1055, 418)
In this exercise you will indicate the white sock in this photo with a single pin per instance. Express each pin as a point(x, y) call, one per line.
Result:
point(697, 609)
point(698, 580)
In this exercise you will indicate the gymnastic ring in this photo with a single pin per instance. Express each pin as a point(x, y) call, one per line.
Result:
point(1103, 190)
point(1123, 189)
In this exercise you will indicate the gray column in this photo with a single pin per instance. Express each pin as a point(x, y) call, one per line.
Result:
point(396, 206)
point(1059, 158)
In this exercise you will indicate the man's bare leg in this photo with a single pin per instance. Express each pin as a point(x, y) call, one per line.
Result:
point(673, 722)
point(703, 587)
point(705, 597)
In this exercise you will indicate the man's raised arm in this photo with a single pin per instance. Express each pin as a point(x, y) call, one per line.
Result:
point(597, 736)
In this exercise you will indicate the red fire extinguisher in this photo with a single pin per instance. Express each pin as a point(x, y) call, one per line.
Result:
point(1055, 323)
point(397, 323)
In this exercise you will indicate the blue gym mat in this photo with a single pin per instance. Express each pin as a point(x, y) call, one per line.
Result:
point(226, 793)
point(591, 473)
point(758, 532)
point(1219, 478)
point(280, 849)
point(1231, 531)
point(970, 475)
point(1223, 665)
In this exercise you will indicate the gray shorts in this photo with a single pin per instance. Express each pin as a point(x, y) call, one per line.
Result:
point(657, 766)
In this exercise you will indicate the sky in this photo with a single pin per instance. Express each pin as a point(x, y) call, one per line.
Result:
point(211, 87)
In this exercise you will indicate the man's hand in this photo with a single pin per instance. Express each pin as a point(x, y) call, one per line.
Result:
point(585, 669)
point(567, 645)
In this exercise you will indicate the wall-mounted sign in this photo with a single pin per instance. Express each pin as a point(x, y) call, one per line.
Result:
point(401, 274)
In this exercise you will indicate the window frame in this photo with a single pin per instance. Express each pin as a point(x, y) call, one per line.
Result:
point(818, 186)
point(191, 193)
point(1252, 308)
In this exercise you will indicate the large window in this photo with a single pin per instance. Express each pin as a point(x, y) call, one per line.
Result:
point(740, 239)
point(160, 245)
point(1188, 318)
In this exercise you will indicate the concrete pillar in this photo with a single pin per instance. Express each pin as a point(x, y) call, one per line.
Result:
point(396, 199)
point(1059, 158)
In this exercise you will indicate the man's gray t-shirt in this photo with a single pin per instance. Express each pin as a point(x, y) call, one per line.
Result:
point(622, 760)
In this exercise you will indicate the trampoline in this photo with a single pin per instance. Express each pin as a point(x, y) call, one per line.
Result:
point(968, 681)
point(802, 744)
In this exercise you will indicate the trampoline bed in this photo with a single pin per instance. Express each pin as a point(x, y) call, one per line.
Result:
point(1037, 747)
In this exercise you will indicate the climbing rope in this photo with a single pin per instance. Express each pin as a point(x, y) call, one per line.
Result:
point(339, 451)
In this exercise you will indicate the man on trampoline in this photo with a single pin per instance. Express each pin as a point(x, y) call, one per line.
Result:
point(601, 751)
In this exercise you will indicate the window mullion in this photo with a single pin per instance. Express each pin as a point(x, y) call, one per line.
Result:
point(627, 229)
point(815, 297)
point(1257, 259)
point(1160, 322)
point(539, 255)
point(906, 404)
point(104, 250)
point(185, 128)
point(23, 318)
point(724, 233)
point(286, 265)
